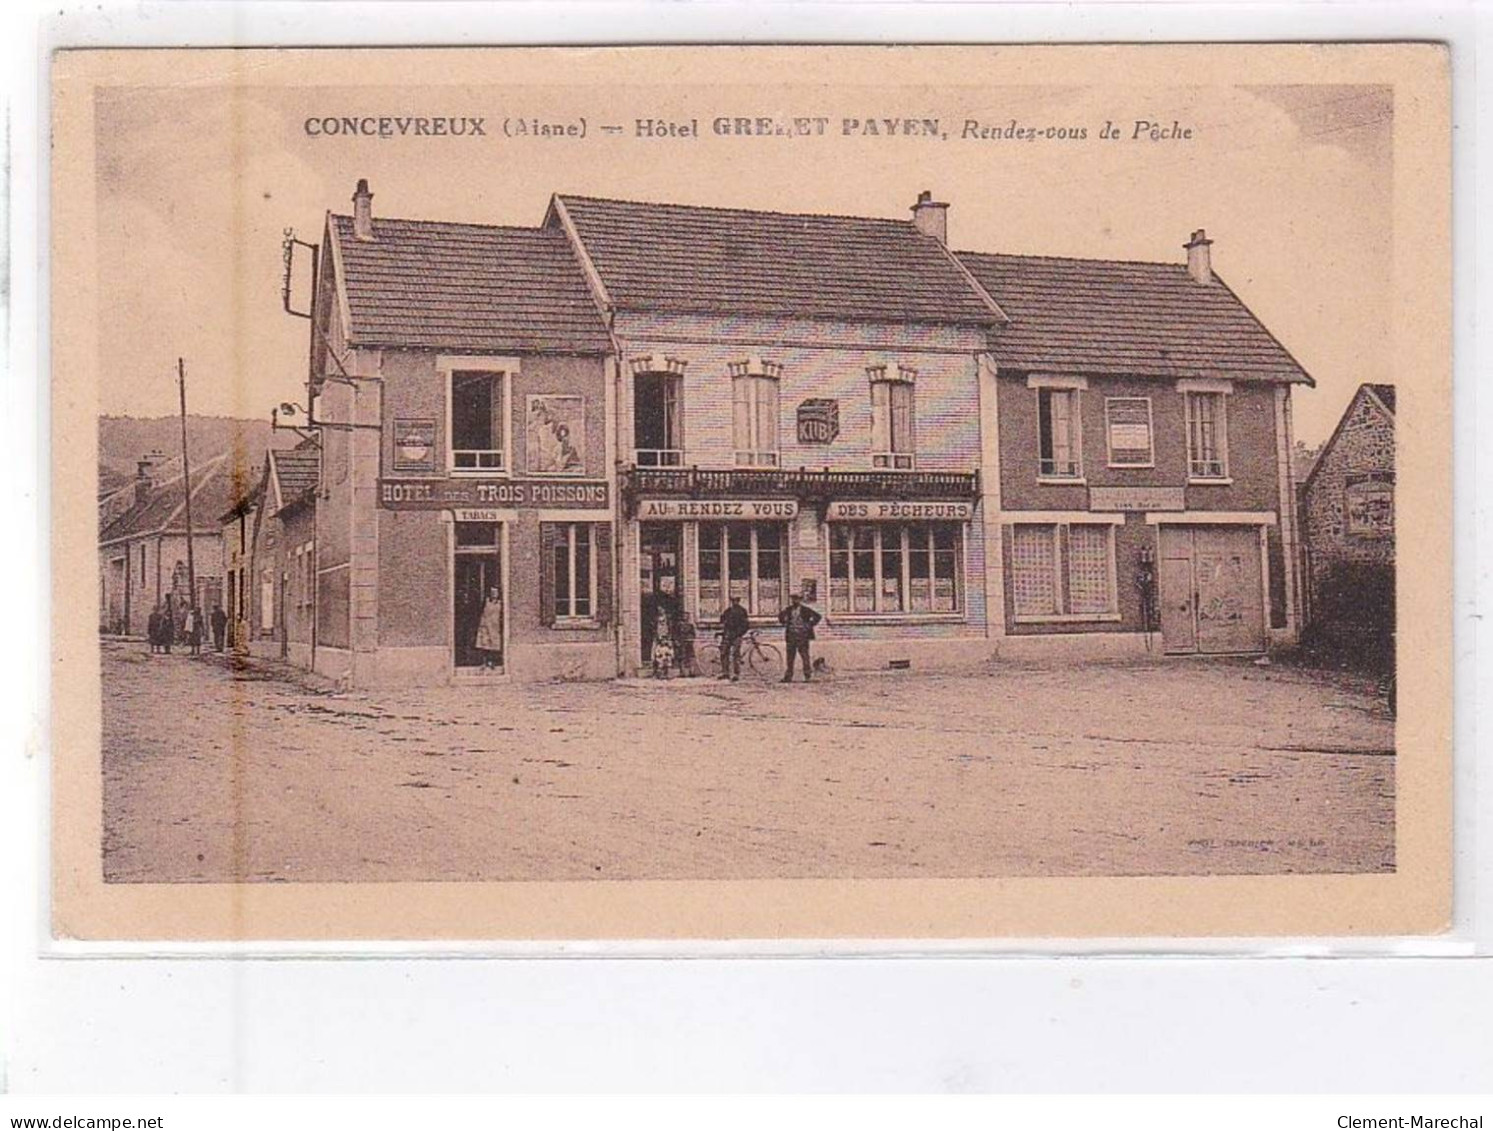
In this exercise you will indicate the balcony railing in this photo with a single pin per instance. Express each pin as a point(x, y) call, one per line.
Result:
point(806, 485)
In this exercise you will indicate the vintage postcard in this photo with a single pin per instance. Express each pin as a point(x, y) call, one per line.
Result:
point(751, 493)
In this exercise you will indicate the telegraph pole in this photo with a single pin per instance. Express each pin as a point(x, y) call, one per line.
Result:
point(186, 478)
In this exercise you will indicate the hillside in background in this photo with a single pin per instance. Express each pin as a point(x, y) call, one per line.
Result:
point(123, 440)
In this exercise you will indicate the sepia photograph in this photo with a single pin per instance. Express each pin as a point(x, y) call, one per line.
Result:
point(557, 468)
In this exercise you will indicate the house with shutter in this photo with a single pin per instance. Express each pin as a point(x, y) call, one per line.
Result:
point(459, 384)
point(799, 408)
point(543, 448)
point(269, 557)
point(1140, 459)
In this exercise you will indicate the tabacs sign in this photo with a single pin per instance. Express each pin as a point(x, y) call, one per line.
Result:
point(818, 420)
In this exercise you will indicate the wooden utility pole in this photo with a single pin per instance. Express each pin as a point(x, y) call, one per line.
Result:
point(186, 478)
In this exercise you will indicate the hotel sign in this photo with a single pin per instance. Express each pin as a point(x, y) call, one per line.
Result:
point(443, 494)
point(650, 510)
point(888, 510)
point(1137, 499)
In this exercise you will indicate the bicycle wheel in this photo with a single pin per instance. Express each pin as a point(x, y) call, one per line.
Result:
point(765, 661)
point(708, 658)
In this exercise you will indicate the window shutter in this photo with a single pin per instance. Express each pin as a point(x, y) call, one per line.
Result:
point(603, 540)
point(549, 538)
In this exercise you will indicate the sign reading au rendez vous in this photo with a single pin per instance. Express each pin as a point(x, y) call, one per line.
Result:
point(439, 494)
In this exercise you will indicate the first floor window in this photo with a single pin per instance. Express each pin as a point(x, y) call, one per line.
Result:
point(478, 416)
point(1207, 446)
point(754, 413)
point(894, 568)
point(573, 560)
point(1059, 434)
point(742, 559)
point(892, 439)
point(1063, 570)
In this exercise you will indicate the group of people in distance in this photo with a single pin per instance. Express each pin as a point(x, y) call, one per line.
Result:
point(677, 646)
point(162, 630)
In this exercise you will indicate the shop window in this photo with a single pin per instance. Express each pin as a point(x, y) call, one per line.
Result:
point(1127, 430)
point(894, 568)
point(893, 445)
point(1207, 436)
point(1063, 571)
point(479, 414)
point(1059, 434)
point(741, 559)
point(754, 412)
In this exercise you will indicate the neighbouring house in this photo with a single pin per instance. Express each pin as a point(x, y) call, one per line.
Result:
point(269, 539)
point(1144, 438)
point(951, 455)
point(459, 382)
point(1347, 519)
point(143, 546)
point(799, 408)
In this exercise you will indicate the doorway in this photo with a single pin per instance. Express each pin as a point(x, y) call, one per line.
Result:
point(479, 625)
point(660, 580)
point(1212, 596)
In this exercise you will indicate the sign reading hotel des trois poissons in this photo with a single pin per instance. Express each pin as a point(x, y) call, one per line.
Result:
point(890, 510)
point(689, 509)
point(440, 494)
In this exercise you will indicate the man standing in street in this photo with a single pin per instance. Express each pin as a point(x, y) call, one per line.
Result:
point(220, 627)
point(734, 625)
point(798, 621)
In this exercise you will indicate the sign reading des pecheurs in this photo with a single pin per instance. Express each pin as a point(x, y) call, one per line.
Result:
point(440, 494)
point(818, 420)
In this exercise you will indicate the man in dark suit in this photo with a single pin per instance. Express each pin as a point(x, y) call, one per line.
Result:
point(798, 621)
point(734, 626)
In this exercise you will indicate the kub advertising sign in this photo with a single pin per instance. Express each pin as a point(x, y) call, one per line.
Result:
point(818, 420)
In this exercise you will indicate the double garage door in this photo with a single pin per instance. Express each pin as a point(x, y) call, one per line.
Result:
point(1212, 589)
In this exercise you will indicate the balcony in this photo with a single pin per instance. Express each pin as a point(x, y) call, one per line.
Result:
point(817, 488)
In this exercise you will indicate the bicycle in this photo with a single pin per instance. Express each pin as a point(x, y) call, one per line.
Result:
point(760, 657)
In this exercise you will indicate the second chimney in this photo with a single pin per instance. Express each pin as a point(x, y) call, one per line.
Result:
point(144, 475)
point(362, 211)
point(931, 217)
point(1199, 261)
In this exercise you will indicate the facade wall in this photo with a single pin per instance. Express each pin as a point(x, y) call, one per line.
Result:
point(1348, 551)
point(412, 551)
point(821, 360)
point(144, 586)
point(1253, 486)
point(1251, 447)
point(1362, 453)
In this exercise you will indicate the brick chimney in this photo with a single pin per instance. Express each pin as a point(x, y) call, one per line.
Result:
point(1199, 261)
point(931, 217)
point(362, 211)
point(144, 475)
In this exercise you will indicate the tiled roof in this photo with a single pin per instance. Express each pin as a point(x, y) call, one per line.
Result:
point(216, 484)
point(1107, 316)
point(1386, 395)
point(467, 288)
point(296, 470)
point(686, 259)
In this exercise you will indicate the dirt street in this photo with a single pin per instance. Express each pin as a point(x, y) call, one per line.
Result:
point(1099, 769)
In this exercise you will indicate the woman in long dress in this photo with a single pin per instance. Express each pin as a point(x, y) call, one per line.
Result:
point(490, 630)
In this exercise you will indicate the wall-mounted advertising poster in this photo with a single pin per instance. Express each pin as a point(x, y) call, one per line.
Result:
point(555, 434)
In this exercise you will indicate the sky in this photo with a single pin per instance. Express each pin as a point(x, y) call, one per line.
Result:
point(197, 180)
